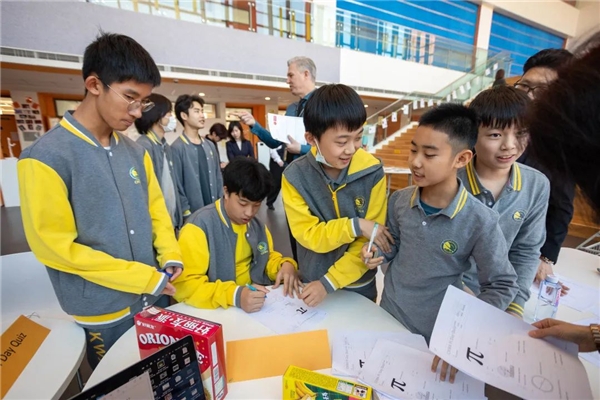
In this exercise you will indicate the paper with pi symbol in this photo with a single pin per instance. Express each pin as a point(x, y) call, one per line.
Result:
point(284, 314)
point(493, 346)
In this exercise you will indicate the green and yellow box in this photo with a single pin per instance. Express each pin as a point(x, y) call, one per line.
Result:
point(303, 384)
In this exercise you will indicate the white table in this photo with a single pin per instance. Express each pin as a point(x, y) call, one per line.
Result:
point(345, 310)
point(25, 290)
point(581, 267)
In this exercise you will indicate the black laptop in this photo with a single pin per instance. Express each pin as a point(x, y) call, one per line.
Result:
point(170, 374)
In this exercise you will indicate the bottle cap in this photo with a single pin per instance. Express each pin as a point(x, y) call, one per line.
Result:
point(552, 278)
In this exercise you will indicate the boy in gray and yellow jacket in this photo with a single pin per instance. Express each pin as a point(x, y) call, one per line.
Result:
point(92, 209)
point(334, 196)
point(229, 253)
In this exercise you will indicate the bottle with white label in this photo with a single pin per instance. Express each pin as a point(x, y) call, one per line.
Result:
point(548, 298)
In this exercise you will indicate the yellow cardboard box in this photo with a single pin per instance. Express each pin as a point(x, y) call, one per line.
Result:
point(302, 384)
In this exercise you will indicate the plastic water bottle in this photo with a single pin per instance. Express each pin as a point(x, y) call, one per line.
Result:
point(548, 298)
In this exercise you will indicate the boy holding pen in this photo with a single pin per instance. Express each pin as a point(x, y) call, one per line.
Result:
point(334, 196)
point(228, 252)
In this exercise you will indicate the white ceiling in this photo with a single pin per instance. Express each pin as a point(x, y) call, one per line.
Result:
point(47, 82)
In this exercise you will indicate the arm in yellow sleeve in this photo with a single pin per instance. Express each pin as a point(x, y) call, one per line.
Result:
point(50, 229)
point(163, 233)
point(309, 231)
point(276, 259)
point(350, 267)
point(192, 285)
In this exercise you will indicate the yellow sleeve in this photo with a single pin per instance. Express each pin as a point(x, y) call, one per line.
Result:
point(163, 233)
point(276, 259)
point(51, 231)
point(192, 285)
point(320, 237)
point(350, 267)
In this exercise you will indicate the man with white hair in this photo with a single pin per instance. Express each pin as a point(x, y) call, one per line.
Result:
point(301, 77)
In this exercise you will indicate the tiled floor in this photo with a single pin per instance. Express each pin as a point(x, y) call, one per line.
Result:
point(14, 242)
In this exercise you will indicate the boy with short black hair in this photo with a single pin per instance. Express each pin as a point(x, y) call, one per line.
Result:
point(93, 211)
point(226, 248)
point(196, 159)
point(517, 192)
point(438, 226)
point(334, 196)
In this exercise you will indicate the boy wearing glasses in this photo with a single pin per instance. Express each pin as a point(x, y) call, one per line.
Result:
point(92, 208)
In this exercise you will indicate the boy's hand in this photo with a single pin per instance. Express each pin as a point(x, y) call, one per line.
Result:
point(252, 301)
point(169, 290)
point(368, 258)
point(313, 293)
point(444, 370)
point(383, 238)
point(545, 269)
point(174, 272)
point(291, 283)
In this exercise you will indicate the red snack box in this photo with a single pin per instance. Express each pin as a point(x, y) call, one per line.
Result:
point(157, 328)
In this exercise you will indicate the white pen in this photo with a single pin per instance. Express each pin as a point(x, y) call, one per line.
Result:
point(373, 234)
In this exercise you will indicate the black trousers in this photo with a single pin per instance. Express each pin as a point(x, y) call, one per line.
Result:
point(276, 172)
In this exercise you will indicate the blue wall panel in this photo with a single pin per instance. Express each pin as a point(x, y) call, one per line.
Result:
point(520, 40)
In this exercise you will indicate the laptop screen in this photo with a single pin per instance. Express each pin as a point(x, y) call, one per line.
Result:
point(169, 374)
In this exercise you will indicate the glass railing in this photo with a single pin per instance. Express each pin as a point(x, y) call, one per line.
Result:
point(322, 23)
point(403, 111)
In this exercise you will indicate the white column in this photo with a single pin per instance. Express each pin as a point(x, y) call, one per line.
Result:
point(484, 30)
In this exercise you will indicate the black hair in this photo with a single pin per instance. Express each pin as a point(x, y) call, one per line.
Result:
point(219, 130)
point(234, 124)
point(248, 178)
point(162, 106)
point(119, 58)
point(501, 107)
point(334, 106)
point(457, 121)
point(499, 74)
point(565, 127)
point(548, 58)
point(184, 103)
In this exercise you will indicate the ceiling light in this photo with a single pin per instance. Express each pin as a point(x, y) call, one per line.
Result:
point(267, 98)
point(201, 94)
point(366, 106)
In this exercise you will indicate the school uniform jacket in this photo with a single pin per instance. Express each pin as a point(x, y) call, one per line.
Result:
point(208, 244)
point(324, 219)
point(157, 149)
point(522, 206)
point(431, 252)
point(185, 157)
point(98, 221)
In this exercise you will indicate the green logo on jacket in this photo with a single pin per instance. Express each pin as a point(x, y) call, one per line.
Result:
point(262, 248)
point(519, 215)
point(134, 175)
point(449, 246)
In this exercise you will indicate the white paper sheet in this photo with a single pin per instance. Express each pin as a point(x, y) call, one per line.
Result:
point(139, 387)
point(281, 126)
point(581, 297)
point(287, 315)
point(494, 347)
point(405, 373)
point(350, 349)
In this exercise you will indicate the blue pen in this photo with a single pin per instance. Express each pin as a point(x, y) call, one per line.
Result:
point(249, 286)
